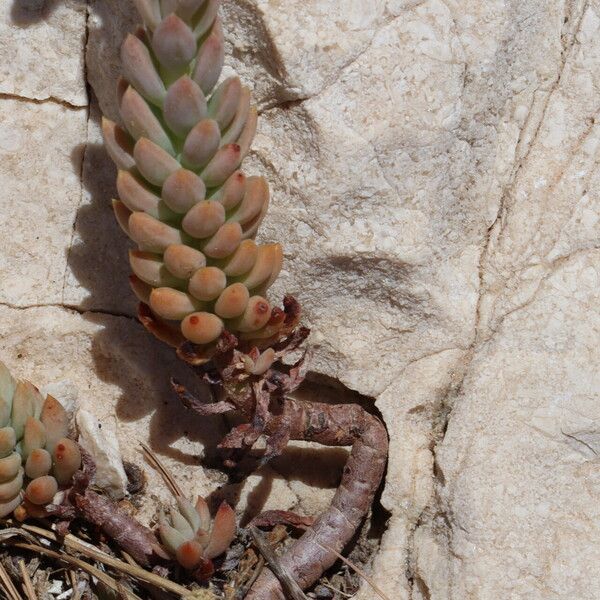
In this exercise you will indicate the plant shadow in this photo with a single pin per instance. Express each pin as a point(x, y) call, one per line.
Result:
point(124, 354)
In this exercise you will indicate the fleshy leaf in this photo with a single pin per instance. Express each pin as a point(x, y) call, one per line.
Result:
point(222, 165)
point(38, 464)
point(150, 269)
point(184, 106)
point(183, 261)
point(189, 555)
point(11, 488)
point(170, 537)
point(210, 59)
point(9, 467)
point(140, 121)
point(34, 436)
point(181, 524)
point(56, 422)
point(7, 390)
point(173, 305)
point(222, 533)
point(186, 508)
point(41, 490)
point(202, 327)
point(67, 460)
point(139, 69)
point(173, 43)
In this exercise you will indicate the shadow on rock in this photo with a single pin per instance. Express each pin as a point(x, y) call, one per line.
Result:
point(29, 12)
point(124, 353)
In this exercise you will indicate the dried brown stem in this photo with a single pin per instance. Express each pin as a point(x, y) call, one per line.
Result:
point(267, 409)
point(330, 425)
point(136, 539)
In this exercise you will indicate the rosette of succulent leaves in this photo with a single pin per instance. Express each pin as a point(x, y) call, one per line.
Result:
point(37, 458)
point(190, 535)
point(202, 279)
point(44, 472)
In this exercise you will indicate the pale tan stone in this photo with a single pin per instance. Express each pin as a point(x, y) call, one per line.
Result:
point(42, 45)
point(100, 441)
point(433, 174)
point(40, 161)
point(518, 463)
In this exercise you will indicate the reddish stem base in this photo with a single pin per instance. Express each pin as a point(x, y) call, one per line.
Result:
point(330, 425)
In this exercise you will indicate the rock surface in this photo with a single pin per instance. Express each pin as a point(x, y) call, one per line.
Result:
point(101, 442)
point(433, 169)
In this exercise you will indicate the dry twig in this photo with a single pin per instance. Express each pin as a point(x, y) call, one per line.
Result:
point(74, 543)
point(289, 585)
point(81, 564)
point(8, 585)
point(74, 585)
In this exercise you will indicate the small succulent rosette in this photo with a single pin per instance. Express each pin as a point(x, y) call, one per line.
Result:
point(37, 458)
point(193, 538)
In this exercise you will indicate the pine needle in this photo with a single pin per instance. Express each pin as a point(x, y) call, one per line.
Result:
point(357, 570)
point(8, 585)
point(74, 543)
point(27, 584)
point(158, 466)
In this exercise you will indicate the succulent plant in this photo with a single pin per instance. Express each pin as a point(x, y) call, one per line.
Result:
point(202, 279)
point(182, 198)
point(190, 538)
point(36, 456)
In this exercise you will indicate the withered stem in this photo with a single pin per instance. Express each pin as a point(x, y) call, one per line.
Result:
point(330, 425)
point(133, 537)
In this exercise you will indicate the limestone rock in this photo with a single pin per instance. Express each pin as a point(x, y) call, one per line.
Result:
point(102, 444)
point(40, 151)
point(519, 460)
point(42, 50)
point(433, 174)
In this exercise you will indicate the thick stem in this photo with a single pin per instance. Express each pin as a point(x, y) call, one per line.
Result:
point(136, 539)
point(330, 425)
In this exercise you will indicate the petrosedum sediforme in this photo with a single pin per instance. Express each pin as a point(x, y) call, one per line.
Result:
point(37, 458)
point(182, 198)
